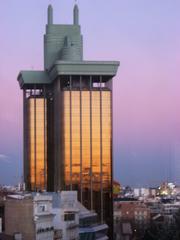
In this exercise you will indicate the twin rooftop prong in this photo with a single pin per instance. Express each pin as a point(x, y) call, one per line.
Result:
point(75, 14)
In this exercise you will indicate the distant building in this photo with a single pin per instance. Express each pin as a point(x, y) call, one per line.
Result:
point(116, 188)
point(126, 231)
point(153, 192)
point(169, 210)
point(144, 192)
point(137, 192)
point(155, 206)
point(134, 212)
point(29, 215)
point(163, 210)
point(165, 189)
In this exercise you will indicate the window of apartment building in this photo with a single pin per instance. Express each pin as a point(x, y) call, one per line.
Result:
point(69, 217)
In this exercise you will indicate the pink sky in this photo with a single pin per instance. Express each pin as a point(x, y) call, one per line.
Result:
point(144, 37)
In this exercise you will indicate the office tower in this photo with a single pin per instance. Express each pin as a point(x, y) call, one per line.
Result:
point(68, 120)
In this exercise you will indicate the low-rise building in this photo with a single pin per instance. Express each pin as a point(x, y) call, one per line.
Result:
point(74, 220)
point(169, 210)
point(66, 213)
point(134, 212)
point(51, 216)
point(154, 205)
point(30, 215)
point(89, 226)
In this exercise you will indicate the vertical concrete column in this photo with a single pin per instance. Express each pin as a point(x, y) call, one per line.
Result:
point(101, 147)
point(70, 80)
point(35, 168)
point(91, 163)
point(45, 139)
point(81, 186)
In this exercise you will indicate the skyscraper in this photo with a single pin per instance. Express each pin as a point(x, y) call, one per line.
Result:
point(68, 120)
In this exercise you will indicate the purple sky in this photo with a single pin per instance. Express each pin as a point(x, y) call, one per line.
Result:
point(145, 37)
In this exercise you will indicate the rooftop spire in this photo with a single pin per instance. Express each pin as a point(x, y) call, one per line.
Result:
point(76, 14)
point(50, 15)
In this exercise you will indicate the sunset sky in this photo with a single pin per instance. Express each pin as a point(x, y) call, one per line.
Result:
point(145, 37)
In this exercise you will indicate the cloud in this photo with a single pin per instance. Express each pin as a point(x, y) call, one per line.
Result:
point(4, 158)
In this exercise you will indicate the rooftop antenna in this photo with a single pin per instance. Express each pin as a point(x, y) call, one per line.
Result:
point(76, 14)
point(50, 15)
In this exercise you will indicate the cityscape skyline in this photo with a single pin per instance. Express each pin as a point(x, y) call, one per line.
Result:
point(146, 42)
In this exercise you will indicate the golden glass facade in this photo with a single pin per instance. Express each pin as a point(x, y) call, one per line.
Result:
point(37, 145)
point(88, 145)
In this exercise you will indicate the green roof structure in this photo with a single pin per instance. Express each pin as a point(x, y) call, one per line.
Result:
point(63, 55)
